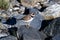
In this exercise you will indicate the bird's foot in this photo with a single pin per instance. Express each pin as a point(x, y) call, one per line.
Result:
point(28, 26)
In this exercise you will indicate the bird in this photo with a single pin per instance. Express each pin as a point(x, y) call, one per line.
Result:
point(27, 19)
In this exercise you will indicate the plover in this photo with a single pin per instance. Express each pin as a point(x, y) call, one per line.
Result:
point(27, 19)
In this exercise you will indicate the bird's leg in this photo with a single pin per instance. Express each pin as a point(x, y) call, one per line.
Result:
point(27, 24)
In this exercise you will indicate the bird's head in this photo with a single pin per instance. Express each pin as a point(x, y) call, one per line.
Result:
point(32, 14)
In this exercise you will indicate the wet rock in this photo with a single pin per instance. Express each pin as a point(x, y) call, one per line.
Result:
point(30, 33)
point(9, 38)
point(53, 28)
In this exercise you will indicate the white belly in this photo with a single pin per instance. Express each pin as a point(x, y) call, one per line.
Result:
point(29, 20)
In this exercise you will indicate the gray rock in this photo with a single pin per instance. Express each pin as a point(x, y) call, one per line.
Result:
point(57, 37)
point(2, 26)
point(9, 38)
point(53, 28)
point(29, 3)
point(57, 1)
point(3, 35)
point(30, 33)
point(51, 12)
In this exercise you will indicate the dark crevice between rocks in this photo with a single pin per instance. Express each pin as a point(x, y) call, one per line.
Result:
point(20, 38)
point(44, 24)
point(11, 21)
point(13, 31)
point(48, 38)
point(42, 9)
point(0, 20)
point(26, 11)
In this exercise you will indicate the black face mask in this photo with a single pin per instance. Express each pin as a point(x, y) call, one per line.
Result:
point(32, 16)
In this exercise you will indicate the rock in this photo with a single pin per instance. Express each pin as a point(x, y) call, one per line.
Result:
point(57, 1)
point(57, 37)
point(13, 31)
point(44, 1)
point(2, 26)
point(29, 3)
point(32, 3)
point(44, 24)
point(51, 12)
point(30, 33)
point(9, 38)
point(22, 9)
point(53, 28)
point(3, 35)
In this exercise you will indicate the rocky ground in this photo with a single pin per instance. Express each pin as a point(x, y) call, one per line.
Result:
point(44, 26)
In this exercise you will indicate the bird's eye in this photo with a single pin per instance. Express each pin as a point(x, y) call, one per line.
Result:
point(33, 14)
